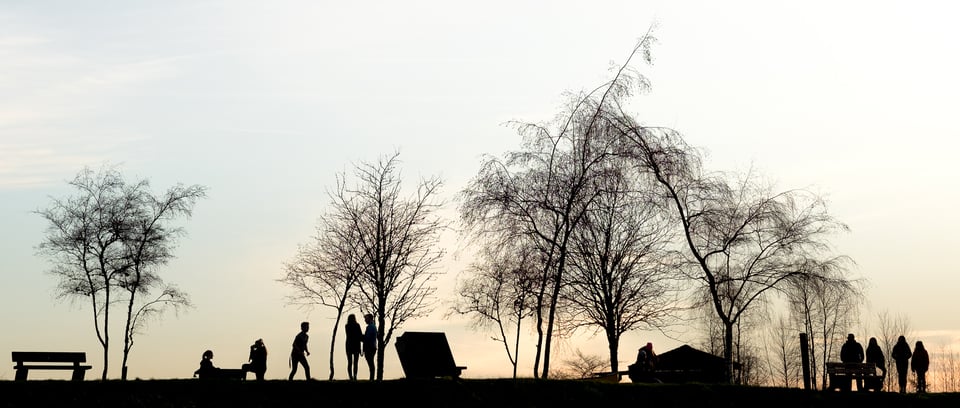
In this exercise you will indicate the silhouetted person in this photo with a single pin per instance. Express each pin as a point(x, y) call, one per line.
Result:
point(370, 343)
point(207, 369)
point(257, 360)
point(299, 353)
point(919, 364)
point(901, 358)
point(354, 342)
point(647, 358)
point(852, 352)
point(875, 355)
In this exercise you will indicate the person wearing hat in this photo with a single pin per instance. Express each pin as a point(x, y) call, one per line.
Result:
point(852, 352)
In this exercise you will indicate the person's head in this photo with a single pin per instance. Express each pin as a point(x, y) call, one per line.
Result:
point(368, 318)
point(304, 326)
point(850, 337)
point(207, 355)
point(873, 341)
point(919, 345)
point(649, 346)
point(258, 343)
point(901, 339)
point(352, 318)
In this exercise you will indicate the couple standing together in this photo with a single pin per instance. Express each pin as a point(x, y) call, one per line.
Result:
point(358, 343)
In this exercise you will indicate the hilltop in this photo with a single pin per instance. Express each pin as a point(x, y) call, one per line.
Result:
point(493, 393)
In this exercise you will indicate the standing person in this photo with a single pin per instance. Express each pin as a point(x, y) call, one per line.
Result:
point(300, 352)
point(852, 352)
point(875, 355)
point(257, 362)
point(919, 364)
point(901, 357)
point(370, 343)
point(354, 341)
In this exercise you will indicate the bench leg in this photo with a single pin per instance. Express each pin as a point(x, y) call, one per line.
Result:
point(21, 374)
point(78, 374)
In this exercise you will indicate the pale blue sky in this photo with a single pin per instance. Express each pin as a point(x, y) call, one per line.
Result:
point(263, 102)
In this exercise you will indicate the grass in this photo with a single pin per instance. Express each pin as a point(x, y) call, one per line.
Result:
point(493, 393)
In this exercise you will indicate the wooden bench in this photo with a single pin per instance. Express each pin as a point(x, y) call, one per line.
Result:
point(72, 358)
point(842, 375)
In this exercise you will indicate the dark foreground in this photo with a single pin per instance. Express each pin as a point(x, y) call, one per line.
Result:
point(494, 393)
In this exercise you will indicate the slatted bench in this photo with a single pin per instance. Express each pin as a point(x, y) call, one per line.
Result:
point(841, 376)
point(65, 360)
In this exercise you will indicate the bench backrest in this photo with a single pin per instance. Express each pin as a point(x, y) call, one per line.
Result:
point(851, 368)
point(425, 355)
point(49, 357)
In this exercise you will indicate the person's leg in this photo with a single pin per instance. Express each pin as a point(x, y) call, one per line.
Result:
point(355, 365)
point(293, 369)
point(369, 356)
point(306, 368)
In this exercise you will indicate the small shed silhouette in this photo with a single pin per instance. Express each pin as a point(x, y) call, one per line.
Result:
point(426, 355)
point(687, 364)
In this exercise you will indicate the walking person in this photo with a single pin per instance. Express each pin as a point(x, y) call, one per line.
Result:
point(919, 364)
point(298, 356)
point(354, 342)
point(370, 343)
point(901, 357)
point(852, 352)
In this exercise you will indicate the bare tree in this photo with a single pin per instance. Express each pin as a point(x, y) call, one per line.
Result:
point(325, 271)
point(149, 243)
point(107, 243)
point(581, 366)
point(826, 303)
point(784, 348)
point(620, 275)
point(744, 240)
point(498, 292)
point(544, 190)
point(891, 328)
point(396, 241)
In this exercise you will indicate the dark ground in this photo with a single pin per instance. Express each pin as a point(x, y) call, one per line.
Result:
point(494, 393)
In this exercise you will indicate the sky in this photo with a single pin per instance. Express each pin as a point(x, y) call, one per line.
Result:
point(265, 102)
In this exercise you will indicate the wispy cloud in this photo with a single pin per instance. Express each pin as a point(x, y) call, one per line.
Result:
point(52, 116)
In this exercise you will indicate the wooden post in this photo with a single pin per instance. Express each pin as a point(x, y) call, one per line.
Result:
point(805, 360)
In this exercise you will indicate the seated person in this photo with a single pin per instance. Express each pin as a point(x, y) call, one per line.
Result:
point(207, 370)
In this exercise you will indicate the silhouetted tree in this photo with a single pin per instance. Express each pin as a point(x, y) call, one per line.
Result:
point(891, 327)
point(743, 239)
point(107, 243)
point(784, 348)
point(396, 241)
point(826, 302)
point(544, 190)
point(621, 277)
point(326, 270)
point(581, 366)
point(498, 291)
